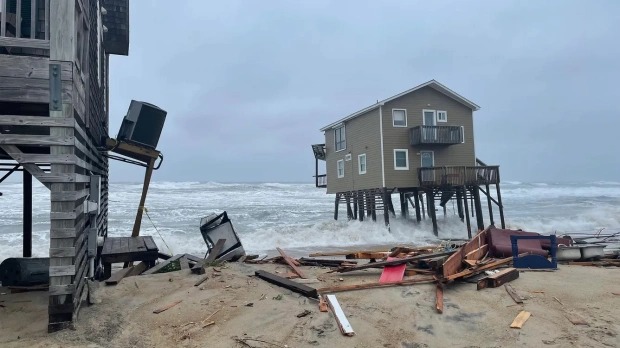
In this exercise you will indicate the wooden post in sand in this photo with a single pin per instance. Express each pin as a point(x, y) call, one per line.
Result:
point(337, 200)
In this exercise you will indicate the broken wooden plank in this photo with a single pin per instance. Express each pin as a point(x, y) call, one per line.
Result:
point(288, 284)
point(137, 269)
point(513, 293)
point(454, 264)
point(576, 319)
point(393, 262)
point(477, 253)
point(498, 279)
point(392, 273)
point(364, 286)
point(163, 264)
point(471, 263)
point(324, 262)
point(166, 307)
point(520, 319)
point(184, 263)
point(322, 304)
point(341, 318)
point(368, 255)
point(201, 280)
point(291, 264)
point(215, 251)
point(118, 276)
point(469, 272)
point(439, 298)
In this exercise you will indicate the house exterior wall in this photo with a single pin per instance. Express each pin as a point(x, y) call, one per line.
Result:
point(398, 137)
point(362, 137)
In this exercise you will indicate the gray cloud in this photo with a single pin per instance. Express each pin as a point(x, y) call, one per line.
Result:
point(247, 84)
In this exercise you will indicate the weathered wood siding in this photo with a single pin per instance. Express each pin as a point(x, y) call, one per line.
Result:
point(362, 136)
point(398, 137)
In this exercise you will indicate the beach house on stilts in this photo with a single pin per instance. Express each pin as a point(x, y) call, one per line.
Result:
point(54, 59)
point(418, 144)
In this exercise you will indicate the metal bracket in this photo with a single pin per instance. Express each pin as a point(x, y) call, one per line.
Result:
point(55, 88)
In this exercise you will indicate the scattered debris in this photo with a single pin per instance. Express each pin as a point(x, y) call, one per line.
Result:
point(521, 318)
point(166, 307)
point(515, 296)
point(201, 280)
point(292, 263)
point(439, 298)
point(498, 278)
point(288, 284)
point(303, 314)
point(341, 319)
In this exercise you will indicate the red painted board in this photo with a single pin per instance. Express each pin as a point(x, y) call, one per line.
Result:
point(392, 273)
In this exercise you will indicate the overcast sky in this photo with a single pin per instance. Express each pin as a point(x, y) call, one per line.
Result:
point(248, 84)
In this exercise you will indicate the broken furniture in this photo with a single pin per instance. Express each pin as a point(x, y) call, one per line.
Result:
point(218, 226)
point(534, 261)
point(128, 249)
point(24, 271)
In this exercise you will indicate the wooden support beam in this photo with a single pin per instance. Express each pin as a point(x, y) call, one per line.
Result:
point(349, 211)
point(291, 264)
point(365, 286)
point(500, 205)
point(488, 194)
point(336, 203)
point(386, 206)
point(27, 214)
point(478, 207)
point(288, 284)
point(466, 206)
point(498, 279)
point(355, 202)
point(459, 204)
point(360, 205)
point(118, 276)
point(145, 189)
point(393, 262)
point(439, 298)
point(430, 198)
point(416, 197)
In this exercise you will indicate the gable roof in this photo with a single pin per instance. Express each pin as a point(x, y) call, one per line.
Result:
point(432, 84)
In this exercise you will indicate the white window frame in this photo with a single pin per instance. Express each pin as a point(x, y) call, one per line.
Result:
point(432, 152)
point(394, 125)
point(406, 159)
point(359, 164)
point(338, 168)
point(441, 112)
point(344, 133)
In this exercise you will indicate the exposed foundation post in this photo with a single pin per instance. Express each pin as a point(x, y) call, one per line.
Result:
point(373, 203)
point(27, 218)
point(501, 205)
point(354, 205)
point(467, 222)
point(422, 206)
point(416, 197)
point(430, 203)
point(478, 205)
point(403, 204)
point(349, 211)
point(390, 204)
point(488, 192)
point(386, 209)
point(360, 205)
point(368, 204)
point(459, 203)
point(336, 203)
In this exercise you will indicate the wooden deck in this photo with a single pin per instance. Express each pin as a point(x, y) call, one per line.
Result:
point(458, 176)
point(127, 249)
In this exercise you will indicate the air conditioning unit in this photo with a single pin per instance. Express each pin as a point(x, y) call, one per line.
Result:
point(142, 124)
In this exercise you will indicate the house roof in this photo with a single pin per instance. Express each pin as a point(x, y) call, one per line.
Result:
point(432, 83)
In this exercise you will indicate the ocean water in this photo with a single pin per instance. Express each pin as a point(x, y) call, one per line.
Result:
point(300, 216)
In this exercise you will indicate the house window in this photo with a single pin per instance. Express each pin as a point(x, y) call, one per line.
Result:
point(340, 138)
point(340, 167)
point(442, 116)
point(399, 117)
point(361, 161)
point(401, 159)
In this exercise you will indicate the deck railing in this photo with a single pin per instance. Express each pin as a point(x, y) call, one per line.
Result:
point(25, 24)
point(446, 135)
point(321, 180)
point(458, 175)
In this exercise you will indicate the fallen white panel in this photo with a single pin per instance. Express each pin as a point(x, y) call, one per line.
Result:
point(342, 320)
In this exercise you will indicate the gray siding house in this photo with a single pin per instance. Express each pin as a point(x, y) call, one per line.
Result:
point(419, 143)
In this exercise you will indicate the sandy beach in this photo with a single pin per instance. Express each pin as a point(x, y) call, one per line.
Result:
point(247, 308)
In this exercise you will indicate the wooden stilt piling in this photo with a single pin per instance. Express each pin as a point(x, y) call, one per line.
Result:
point(500, 205)
point(336, 203)
point(27, 214)
point(416, 197)
point(478, 205)
point(467, 222)
point(488, 194)
point(459, 203)
point(386, 209)
point(430, 203)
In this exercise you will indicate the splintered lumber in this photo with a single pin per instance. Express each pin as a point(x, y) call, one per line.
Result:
point(341, 318)
point(469, 272)
point(118, 276)
point(498, 279)
point(215, 251)
point(368, 255)
point(137, 269)
point(439, 298)
point(364, 286)
point(291, 264)
point(520, 320)
point(201, 280)
point(161, 265)
point(471, 263)
point(454, 264)
point(325, 262)
point(322, 304)
point(477, 253)
point(513, 293)
point(393, 262)
point(166, 307)
point(346, 252)
point(576, 319)
point(392, 273)
point(288, 284)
